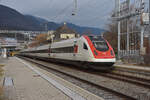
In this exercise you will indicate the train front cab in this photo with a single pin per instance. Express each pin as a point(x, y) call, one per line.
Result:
point(103, 55)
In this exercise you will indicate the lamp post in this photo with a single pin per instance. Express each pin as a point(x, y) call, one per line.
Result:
point(149, 13)
point(0, 49)
point(75, 8)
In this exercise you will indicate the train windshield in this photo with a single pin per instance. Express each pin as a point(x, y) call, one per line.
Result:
point(99, 43)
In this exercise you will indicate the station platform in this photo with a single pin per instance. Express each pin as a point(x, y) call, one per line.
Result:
point(25, 81)
point(2, 60)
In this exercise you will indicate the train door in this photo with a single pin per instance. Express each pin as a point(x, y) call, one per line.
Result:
point(84, 51)
point(75, 47)
point(49, 50)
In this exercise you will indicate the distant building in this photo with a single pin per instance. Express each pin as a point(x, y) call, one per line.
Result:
point(8, 45)
point(64, 32)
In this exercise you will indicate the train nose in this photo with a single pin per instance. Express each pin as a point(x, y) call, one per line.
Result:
point(107, 54)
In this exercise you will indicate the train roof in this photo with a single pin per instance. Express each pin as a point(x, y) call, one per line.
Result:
point(59, 44)
point(64, 43)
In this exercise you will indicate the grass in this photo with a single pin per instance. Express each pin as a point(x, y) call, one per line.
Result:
point(1, 93)
point(1, 74)
point(1, 70)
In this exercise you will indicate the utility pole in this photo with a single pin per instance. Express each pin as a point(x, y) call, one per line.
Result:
point(128, 30)
point(124, 13)
point(118, 2)
point(142, 27)
point(149, 16)
point(46, 27)
point(149, 13)
point(128, 46)
point(149, 23)
point(117, 14)
point(142, 38)
point(16, 36)
point(28, 37)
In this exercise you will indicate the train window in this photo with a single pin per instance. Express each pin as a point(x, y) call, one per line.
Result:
point(40, 51)
point(101, 45)
point(55, 50)
point(96, 38)
point(63, 50)
point(85, 46)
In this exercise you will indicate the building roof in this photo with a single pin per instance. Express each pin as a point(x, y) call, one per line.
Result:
point(65, 29)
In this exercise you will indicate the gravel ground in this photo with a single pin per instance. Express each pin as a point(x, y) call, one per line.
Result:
point(126, 88)
point(145, 75)
point(3, 60)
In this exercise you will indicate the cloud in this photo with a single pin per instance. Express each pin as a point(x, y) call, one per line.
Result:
point(89, 12)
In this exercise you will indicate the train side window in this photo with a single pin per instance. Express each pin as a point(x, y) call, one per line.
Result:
point(85, 46)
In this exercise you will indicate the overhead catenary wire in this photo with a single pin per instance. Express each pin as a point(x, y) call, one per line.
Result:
point(75, 5)
point(95, 19)
point(62, 11)
point(98, 17)
point(49, 4)
point(74, 11)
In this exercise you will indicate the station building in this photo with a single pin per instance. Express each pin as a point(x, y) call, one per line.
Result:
point(64, 32)
point(7, 45)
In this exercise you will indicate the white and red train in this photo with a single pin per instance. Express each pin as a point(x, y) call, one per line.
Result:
point(86, 51)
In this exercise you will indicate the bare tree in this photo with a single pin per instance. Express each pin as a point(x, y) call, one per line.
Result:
point(39, 40)
point(111, 35)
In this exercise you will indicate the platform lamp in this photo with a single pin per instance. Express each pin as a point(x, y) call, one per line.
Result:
point(0, 49)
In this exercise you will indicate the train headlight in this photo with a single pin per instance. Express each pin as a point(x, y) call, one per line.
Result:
point(95, 52)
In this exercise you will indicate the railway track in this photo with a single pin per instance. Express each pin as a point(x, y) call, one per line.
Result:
point(133, 79)
point(130, 79)
point(124, 77)
point(120, 95)
point(132, 72)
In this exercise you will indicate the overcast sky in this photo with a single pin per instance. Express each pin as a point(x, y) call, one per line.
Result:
point(89, 12)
